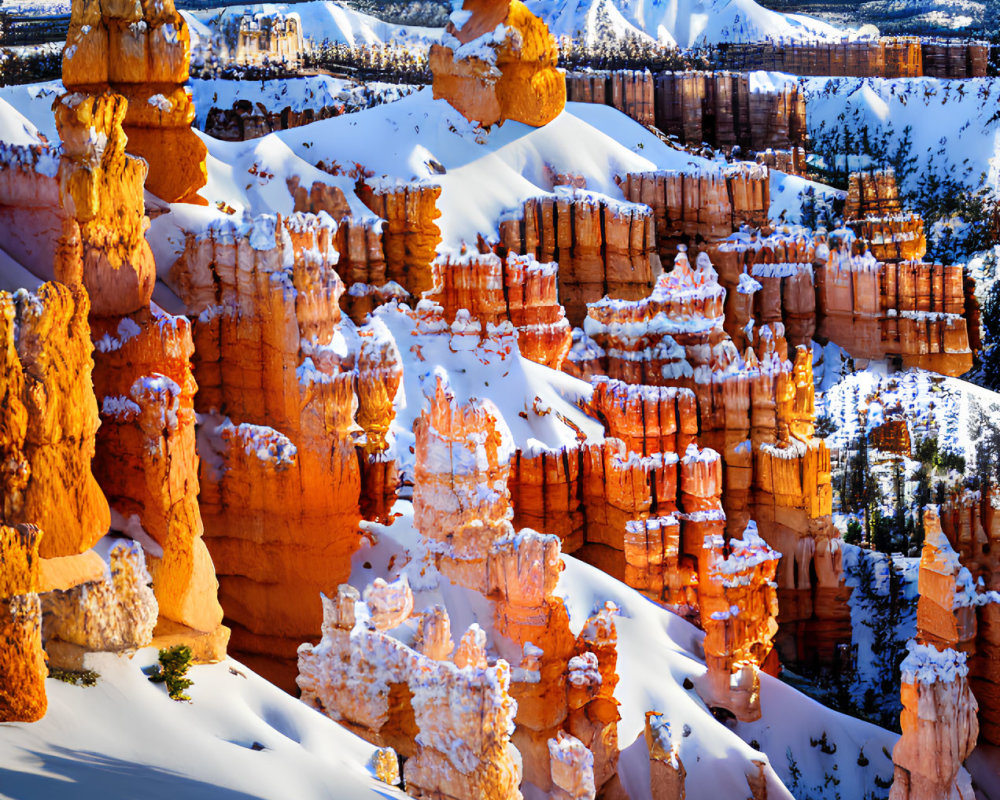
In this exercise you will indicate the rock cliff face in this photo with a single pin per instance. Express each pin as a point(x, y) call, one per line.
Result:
point(410, 235)
point(495, 290)
point(717, 108)
point(103, 242)
point(755, 410)
point(141, 52)
point(666, 771)
point(499, 64)
point(31, 214)
point(972, 527)
point(147, 465)
point(391, 694)
point(739, 606)
point(602, 248)
point(874, 212)
point(700, 208)
point(885, 57)
point(114, 613)
point(908, 309)
point(49, 433)
point(48, 441)
point(280, 475)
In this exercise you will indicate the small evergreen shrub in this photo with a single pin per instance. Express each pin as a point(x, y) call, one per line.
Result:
point(86, 677)
point(174, 664)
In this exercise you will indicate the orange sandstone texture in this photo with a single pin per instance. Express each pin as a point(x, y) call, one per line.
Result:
point(142, 52)
point(602, 247)
point(22, 660)
point(391, 693)
point(104, 240)
point(410, 235)
point(939, 721)
point(48, 432)
point(148, 466)
point(499, 64)
point(494, 290)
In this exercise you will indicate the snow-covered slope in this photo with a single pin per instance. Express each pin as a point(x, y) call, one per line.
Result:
point(952, 125)
point(684, 23)
point(323, 20)
point(239, 738)
point(657, 653)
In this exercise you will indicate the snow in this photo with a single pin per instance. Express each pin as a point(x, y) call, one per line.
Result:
point(681, 23)
point(951, 123)
point(325, 21)
point(297, 94)
point(487, 174)
point(926, 664)
point(239, 738)
point(519, 389)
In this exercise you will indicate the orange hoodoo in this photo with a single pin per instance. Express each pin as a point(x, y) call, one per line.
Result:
point(142, 52)
point(498, 62)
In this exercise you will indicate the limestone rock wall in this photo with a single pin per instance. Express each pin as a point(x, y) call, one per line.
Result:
point(115, 613)
point(601, 248)
point(104, 242)
point(939, 721)
point(280, 475)
point(756, 410)
point(739, 605)
point(915, 311)
point(391, 693)
point(50, 428)
point(147, 465)
point(972, 527)
point(499, 64)
point(455, 715)
point(410, 235)
point(31, 214)
point(141, 51)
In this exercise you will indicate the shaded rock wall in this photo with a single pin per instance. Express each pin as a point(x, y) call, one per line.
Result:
point(886, 57)
point(495, 290)
point(602, 248)
point(715, 108)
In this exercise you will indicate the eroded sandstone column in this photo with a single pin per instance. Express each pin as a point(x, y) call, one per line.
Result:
point(142, 51)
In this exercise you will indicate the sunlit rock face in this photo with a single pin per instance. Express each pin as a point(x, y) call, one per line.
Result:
point(496, 62)
point(52, 419)
point(147, 465)
point(103, 243)
point(490, 290)
point(939, 721)
point(280, 475)
point(22, 660)
point(141, 52)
